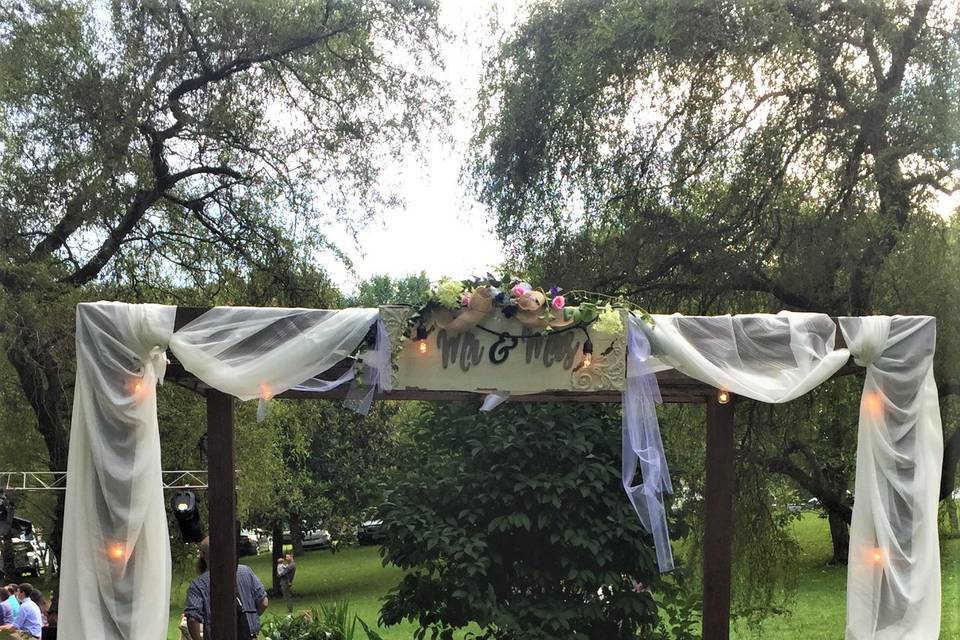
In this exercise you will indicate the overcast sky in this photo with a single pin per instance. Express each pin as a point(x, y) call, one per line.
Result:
point(440, 229)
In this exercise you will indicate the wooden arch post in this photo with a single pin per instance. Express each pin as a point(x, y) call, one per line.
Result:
point(223, 518)
point(718, 519)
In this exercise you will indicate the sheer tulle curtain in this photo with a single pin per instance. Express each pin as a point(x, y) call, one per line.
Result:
point(771, 358)
point(893, 583)
point(251, 352)
point(115, 560)
point(116, 554)
point(893, 576)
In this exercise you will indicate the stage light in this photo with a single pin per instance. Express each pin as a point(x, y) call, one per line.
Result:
point(184, 506)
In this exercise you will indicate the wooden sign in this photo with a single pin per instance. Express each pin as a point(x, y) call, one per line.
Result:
point(500, 354)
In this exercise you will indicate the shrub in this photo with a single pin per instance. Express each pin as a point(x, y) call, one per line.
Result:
point(334, 622)
point(516, 520)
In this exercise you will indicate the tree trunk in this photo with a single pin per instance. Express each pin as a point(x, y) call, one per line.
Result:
point(8, 567)
point(276, 552)
point(296, 534)
point(840, 537)
point(951, 506)
point(39, 372)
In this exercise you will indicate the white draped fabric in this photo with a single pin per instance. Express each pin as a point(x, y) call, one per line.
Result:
point(642, 447)
point(251, 352)
point(893, 575)
point(116, 559)
point(771, 358)
point(115, 565)
point(893, 579)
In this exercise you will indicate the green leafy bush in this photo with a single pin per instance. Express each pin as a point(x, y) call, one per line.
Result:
point(334, 622)
point(516, 520)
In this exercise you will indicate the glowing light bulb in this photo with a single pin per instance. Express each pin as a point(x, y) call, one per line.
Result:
point(422, 347)
point(873, 404)
point(116, 552)
point(265, 392)
point(587, 352)
point(137, 386)
point(183, 506)
point(877, 556)
point(723, 396)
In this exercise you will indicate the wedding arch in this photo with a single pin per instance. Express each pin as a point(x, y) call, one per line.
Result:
point(116, 570)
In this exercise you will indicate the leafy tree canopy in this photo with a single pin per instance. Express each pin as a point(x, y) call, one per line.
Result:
point(148, 149)
point(711, 157)
point(413, 290)
point(764, 153)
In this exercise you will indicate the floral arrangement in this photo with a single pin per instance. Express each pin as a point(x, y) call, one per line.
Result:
point(459, 305)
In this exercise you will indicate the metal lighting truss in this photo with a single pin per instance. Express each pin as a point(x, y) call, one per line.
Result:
point(57, 480)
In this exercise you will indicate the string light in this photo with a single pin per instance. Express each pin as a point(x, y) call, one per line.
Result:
point(723, 396)
point(116, 551)
point(877, 556)
point(265, 392)
point(873, 404)
point(421, 338)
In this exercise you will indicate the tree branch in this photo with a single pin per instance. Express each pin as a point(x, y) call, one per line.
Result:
point(141, 203)
point(909, 38)
point(231, 68)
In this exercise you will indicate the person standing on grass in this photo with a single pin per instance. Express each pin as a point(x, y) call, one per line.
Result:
point(11, 595)
point(251, 601)
point(286, 570)
point(28, 623)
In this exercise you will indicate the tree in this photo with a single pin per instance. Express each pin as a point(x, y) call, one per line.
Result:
point(706, 159)
point(516, 520)
point(152, 144)
point(413, 290)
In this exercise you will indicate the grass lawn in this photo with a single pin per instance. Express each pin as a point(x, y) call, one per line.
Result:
point(820, 607)
point(356, 575)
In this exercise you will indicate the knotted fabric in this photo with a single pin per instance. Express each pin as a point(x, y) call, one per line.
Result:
point(115, 577)
point(893, 574)
point(115, 559)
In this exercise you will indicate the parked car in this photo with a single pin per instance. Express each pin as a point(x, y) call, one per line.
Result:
point(370, 532)
point(316, 539)
point(248, 544)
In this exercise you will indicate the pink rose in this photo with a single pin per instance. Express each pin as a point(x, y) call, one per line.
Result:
point(558, 302)
point(521, 288)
